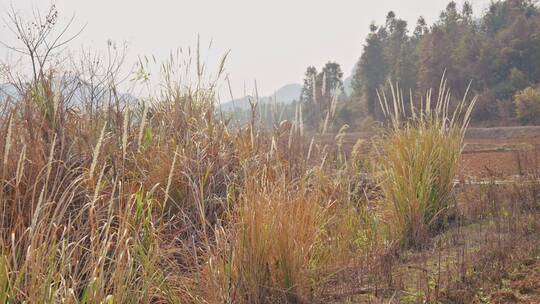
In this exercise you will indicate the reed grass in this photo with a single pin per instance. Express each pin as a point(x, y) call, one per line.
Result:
point(163, 201)
point(419, 158)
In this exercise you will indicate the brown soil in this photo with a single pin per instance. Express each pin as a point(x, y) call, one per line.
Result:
point(485, 164)
point(494, 257)
point(522, 286)
point(488, 152)
point(488, 157)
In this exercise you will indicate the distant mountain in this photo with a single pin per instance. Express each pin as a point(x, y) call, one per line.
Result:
point(8, 91)
point(285, 95)
point(347, 85)
point(347, 82)
point(75, 91)
point(288, 93)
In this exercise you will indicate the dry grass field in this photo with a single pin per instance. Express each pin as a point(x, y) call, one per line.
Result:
point(161, 202)
point(132, 185)
point(161, 199)
point(490, 254)
point(501, 151)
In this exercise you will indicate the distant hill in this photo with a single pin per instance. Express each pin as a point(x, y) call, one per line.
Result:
point(347, 85)
point(285, 95)
point(8, 90)
point(74, 89)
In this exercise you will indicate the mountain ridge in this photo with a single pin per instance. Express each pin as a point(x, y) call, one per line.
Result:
point(287, 94)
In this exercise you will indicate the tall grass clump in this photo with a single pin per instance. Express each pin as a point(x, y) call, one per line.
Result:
point(72, 229)
point(418, 161)
point(106, 198)
point(111, 198)
point(274, 242)
point(284, 242)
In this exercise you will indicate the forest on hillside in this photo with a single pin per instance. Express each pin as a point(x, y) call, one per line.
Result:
point(495, 56)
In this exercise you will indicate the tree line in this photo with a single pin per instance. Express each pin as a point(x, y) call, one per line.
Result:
point(496, 56)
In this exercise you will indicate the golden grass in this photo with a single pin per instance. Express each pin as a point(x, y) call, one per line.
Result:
point(418, 161)
point(158, 203)
point(163, 202)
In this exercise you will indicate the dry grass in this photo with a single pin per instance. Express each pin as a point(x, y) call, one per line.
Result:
point(276, 246)
point(160, 200)
point(418, 163)
point(157, 201)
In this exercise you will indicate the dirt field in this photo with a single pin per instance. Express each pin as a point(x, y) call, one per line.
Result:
point(489, 254)
point(489, 152)
point(500, 152)
point(492, 256)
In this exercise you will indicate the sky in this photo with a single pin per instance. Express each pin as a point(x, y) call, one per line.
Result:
point(270, 42)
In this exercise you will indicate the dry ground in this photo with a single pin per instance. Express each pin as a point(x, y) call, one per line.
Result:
point(500, 151)
point(504, 151)
point(490, 254)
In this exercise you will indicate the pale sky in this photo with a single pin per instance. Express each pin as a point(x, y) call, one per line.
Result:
point(271, 41)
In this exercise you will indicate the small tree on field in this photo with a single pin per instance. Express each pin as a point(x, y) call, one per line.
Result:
point(528, 105)
point(40, 39)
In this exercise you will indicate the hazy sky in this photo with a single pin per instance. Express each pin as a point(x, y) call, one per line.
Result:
point(272, 41)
